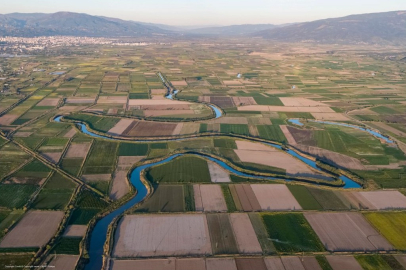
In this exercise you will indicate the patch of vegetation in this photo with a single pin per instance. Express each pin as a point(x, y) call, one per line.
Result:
point(189, 198)
point(304, 197)
point(325, 265)
point(82, 216)
point(228, 198)
point(15, 195)
point(272, 133)
point(7, 260)
point(225, 143)
point(67, 245)
point(372, 262)
point(240, 129)
point(166, 198)
point(132, 149)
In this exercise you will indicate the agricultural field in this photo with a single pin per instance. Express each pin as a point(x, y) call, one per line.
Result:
point(55, 174)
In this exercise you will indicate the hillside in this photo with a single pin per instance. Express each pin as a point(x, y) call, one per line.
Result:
point(365, 28)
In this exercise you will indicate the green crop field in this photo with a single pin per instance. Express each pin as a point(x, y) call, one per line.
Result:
point(273, 133)
point(391, 225)
point(88, 199)
point(82, 216)
point(186, 169)
point(102, 158)
point(72, 165)
point(221, 234)
point(225, 143)
point(234, 129)
point(7, 260)
point(304, 197)
point(166, 198)
point(131, 149)
point(328, 199)
point(372, 262)
point(291, 233)
point(67, 245)
point(228, 198)
point(262, 234)
point(14, 195)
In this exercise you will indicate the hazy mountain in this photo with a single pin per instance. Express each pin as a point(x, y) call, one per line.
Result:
point(75, 24)
point(232, 30)
point(367, 28)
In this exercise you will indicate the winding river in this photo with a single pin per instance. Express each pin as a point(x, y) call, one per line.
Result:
point(370, 131)
point(99, 233)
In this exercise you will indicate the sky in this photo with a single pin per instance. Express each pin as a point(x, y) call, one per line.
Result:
point(209, 12)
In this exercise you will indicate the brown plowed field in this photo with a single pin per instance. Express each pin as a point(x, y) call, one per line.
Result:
point(8, 119)
point(120, 185)
point(288, 135)
point(150, 264)
point(198, 198)
point(302, 136)
point(120, 127)
point(380, 200)
point(247, 198)
point(346, 232)
point(264, 108)
point(245, 236)
point(162, 235)
point(191, 264)
point(212, 198)
point(330, 116)
point(75, 231)
point(310, 263)
point(78, 150)
point(125, 162)
point(96, 177)
point(34, 230)
point(80, 100)
point(63, 262)
point(273, 197)
point(292, 263)
point(401, 259)
point(343, 262)
point(70, 133)
point(151, 129)
point(242, 101)
point(221, 264)
point(221, 234)
point(48, 102)
point(274, 263)
point(53, 156)
point(301, 102)
point(222, 102)
point(250, 264)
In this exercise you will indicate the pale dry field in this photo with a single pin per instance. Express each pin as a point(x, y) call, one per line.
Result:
point(8, 119)
point(141, 102)
point(229, 120)
point(212, 198)
point(244, 234)
point(125, 162)
point(158, 91)
point(292, 263)
point(218, 174)
point(243, 101)
point(274, 263)
point(63, 262)
point(80, 100)
point(273, 197)
point(343, 262)
point(177, 129)
point(265, 108)
point(120, 186)
point(198, 198)
point(35, 229)
point(112, 100)
point(70, 133)
point(192, 263)
point(150, 264)
point(48, 102)
point(310, 263)
point(220, 264)
point(179, 83)
point(288, 135)
point(75, 231)
point(120, 127)
point(162, 235)
point(384, 199)
point(330, 116)
point(401, 259)
point(22, 134)
point(190, 128)
point(346, 232)
point(301, 102)
point(270, 156)
point(78, 150)
point(53, 156)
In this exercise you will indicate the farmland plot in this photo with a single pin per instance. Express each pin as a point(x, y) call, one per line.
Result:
point(209, 198)
point(221, 234)
point(377, 200)
point(244, 233)
point(162, 235)
point(343, 262)
point(221, 264)
point(275, 197)
point(34, 230)
point(346, 232)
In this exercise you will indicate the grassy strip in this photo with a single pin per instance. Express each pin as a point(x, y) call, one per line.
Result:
point(229, 198)
point(189, 198)
point(262, 235)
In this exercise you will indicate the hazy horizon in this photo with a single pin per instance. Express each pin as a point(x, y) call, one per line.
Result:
point(210, 12)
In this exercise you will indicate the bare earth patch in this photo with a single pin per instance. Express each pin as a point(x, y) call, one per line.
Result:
point(75, 100)
point(78, 150)
point(63, 262)
point(75, 231)
point(192, 263)
point(301, 102)
point(120, 186)
point(53, 156)
point(211, 197)
point(274, 263)
point(96, 177)
point(162, 235)
point(273, 197)
point(264, 108)
point(343, 262)
point(125, 162)
point(220, 264)
point(120, 127)
point(270, 156)
point(246, 197)
point(34, 230)
point(70, 133)
point(330, 116)
point(292, 263)
point(7, 119)
point(245, 236)
point(288, 135)
point(218, 174)
point(381, 200)
point(346, 232)
point(150, 264)
point(22, 134)
point(179, 83)
point(48, 102)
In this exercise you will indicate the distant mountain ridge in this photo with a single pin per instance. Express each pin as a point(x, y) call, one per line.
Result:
point(72, 24)
point(365, 28)
point(232, 30)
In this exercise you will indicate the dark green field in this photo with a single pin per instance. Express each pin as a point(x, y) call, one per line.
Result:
point(304, 197)
point(291, 233)
point(166, 198)
point(185, 169)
